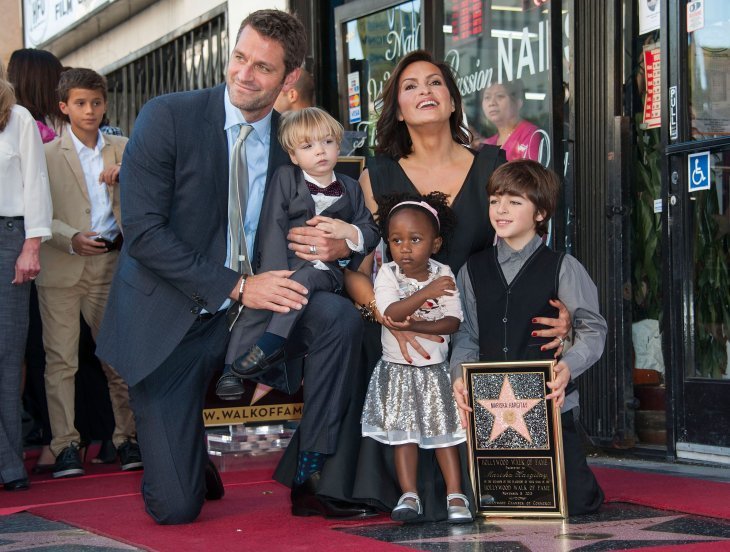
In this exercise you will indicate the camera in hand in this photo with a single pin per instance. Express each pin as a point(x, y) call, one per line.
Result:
point(109, 244)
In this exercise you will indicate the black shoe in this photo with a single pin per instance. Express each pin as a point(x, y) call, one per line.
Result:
point(107, 453)
point(21, 484)
point(68, 463)
point(305, 502)
point(229, 387)
point(213, 483)
point(255, 362)
point(130, 456)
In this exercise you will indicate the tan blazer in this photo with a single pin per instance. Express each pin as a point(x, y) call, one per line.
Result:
point(72, 208)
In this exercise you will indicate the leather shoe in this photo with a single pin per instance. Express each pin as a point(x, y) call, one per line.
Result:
point(305, 502)
point(255, 362)
point(21, 484)
point(213, 483)
point(229, 387)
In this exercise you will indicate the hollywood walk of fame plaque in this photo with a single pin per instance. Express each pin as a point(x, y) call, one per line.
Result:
point(515, 440)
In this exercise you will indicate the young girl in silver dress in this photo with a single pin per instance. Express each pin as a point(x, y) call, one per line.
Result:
point(411, 405)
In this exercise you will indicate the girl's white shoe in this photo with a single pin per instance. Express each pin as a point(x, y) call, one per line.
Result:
point(458, 514)
point(408, 508)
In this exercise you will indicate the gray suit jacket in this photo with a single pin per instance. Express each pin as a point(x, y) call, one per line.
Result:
point(174, 191)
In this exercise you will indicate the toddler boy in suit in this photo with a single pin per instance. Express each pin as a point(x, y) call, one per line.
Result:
point(310, 192)
point(79, 262)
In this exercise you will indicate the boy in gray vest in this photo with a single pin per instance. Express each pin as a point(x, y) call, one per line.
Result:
point(505, 286)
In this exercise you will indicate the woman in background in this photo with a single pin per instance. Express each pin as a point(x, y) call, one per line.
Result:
point(25, 221)
point(520, 139)
point(34, 75)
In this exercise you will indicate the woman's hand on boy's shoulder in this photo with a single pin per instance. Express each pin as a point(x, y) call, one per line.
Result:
point(559, 329)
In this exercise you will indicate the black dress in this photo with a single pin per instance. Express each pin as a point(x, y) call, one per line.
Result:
point(362, 470)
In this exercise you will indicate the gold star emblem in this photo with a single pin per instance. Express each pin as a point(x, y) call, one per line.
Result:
point(509, 412)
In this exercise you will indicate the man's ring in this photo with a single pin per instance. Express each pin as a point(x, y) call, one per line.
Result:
point(313, 249)
point(562, 341)
point(32, 277)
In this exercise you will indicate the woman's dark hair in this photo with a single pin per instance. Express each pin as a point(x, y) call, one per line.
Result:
point(524, 177)
point(392, 135)
point(388, 206)
point(34, 75)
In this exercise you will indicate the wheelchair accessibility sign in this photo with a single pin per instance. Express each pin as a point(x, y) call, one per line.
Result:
point(698, 166)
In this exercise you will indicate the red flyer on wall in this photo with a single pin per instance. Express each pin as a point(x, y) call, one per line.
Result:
point(652, 101)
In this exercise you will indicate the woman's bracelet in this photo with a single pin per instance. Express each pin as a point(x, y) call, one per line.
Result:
point(369, 312)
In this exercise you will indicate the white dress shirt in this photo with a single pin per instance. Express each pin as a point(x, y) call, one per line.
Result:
point(25, 190)
point(92, 163)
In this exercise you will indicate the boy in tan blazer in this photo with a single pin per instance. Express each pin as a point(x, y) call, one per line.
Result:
point(79, 262)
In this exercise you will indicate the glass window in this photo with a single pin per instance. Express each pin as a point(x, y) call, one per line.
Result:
point(373, 45)
point(709, 64)
point(500, 50)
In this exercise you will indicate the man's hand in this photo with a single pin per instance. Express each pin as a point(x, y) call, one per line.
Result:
point(84, 244)
point(28, 264)
point(462, 400)
point(110, 175)
point(409, 338)
point(557, 386)
point(560, 328)
point(336, 229)
point(272, 291)
point(311, 244)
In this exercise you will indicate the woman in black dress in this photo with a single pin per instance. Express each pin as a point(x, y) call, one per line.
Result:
point(421, 148)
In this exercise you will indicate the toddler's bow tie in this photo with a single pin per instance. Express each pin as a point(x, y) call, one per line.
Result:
point(334, 189)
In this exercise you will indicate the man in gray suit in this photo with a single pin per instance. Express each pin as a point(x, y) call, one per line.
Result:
point(164, 328)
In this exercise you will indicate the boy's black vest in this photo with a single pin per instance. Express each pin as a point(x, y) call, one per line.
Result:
point(505, 312)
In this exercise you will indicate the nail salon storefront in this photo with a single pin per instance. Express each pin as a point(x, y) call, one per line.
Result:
point(630, 102)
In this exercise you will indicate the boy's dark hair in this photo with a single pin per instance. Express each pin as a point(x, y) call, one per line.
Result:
point(393, 138)
point(444, 227)
point(34, 74)
point(524, 177)
point(80, 78)
point(284, 28)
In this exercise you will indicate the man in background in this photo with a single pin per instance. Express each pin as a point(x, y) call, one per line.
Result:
point(298, 97)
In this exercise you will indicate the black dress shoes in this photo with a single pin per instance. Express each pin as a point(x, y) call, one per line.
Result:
point(255, 362)
point(21, 484)
point(305, 502)
point(68, 462)
point(213, 483)
point(229, 386)
point(130, 456)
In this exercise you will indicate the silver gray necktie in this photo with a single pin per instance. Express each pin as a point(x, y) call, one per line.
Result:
point(237, 202)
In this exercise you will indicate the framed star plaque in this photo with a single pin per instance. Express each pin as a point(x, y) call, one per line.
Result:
point(515, 440)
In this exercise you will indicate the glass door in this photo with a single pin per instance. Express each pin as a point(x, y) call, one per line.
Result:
point(698, 232)
point(371, 36)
